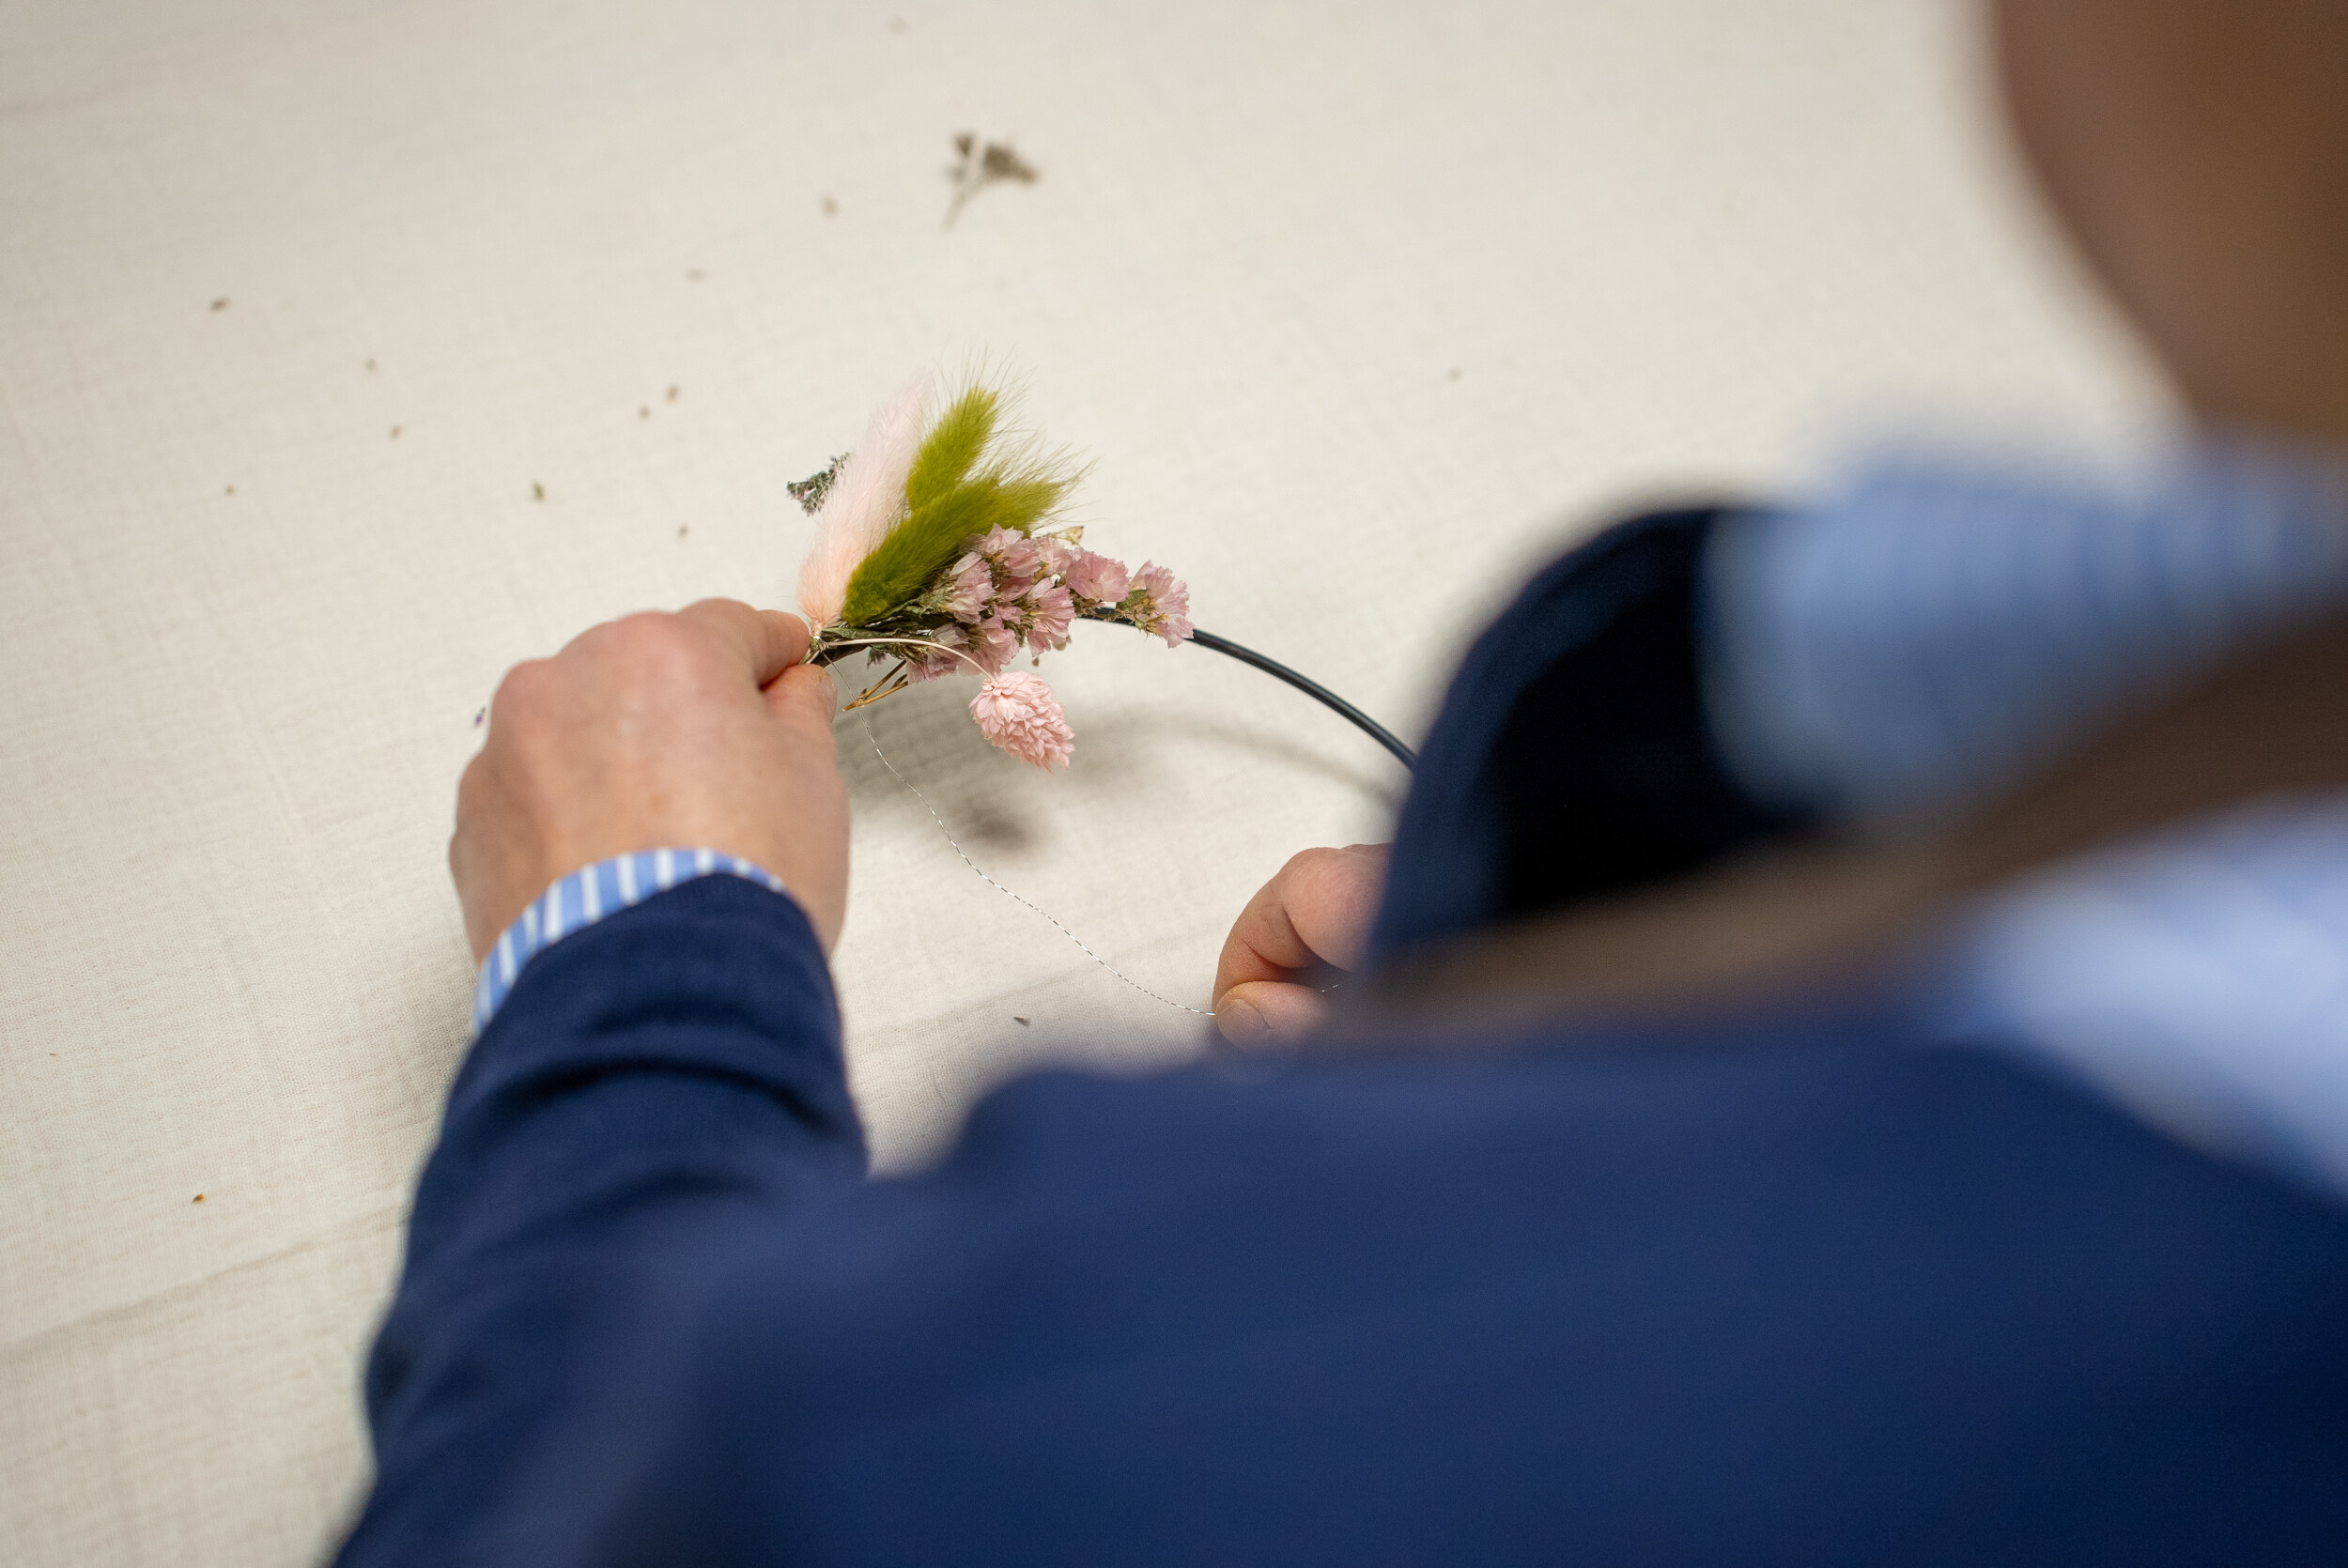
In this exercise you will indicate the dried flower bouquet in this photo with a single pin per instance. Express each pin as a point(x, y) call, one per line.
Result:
point(937, 550)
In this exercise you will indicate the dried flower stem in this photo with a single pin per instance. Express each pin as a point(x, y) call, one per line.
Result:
point(908, 641)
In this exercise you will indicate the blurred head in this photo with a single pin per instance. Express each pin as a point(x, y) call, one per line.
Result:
point(2196, 150)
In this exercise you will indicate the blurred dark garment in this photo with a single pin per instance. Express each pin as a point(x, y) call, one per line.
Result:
point(1839, 1286)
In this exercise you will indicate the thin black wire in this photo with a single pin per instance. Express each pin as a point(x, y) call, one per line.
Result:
point(1311, 688)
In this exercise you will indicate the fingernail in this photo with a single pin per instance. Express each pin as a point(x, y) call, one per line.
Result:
point(1242, 1022)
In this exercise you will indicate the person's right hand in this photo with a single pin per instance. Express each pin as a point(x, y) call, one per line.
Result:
point(1311, 918)
point(701, 729)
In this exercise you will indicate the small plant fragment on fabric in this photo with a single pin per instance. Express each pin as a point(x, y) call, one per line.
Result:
point(978, 165)
point(938, 552)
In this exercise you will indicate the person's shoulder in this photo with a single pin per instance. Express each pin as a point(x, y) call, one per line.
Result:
point(1807, 1253)
point(1841, 1139)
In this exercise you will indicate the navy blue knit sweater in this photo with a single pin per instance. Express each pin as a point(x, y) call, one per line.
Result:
point(1795, 1291)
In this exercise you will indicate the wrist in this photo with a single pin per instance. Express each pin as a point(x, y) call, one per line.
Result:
point(580, 899)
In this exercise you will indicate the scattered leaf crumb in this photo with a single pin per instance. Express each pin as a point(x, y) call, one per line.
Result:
point(643, 411)
point(370, 367)
point(681, 529)
point(199, 1197)
point(980, 164)
point(221, 303)
point(831, 208)
point(229, 491)
point(395, 431)
point(537, 491)
point(809, 492)
point(672, 392)
point(1016, 1019)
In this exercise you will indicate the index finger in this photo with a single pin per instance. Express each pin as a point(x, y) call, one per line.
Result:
point(769, 640)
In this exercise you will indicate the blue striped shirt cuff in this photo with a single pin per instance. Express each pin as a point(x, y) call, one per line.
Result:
point(579, 900)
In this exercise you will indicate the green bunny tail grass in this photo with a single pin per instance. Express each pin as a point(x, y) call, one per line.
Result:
point(915, 551)
point(1019, 504)
point(952, 447)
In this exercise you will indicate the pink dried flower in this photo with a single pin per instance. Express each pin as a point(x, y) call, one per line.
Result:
point(969, 583)
point(1050, 611)
point(992, 644)
point(1014, 555)
point(1165, 607)
point(928, 664)
point(1096, 577)
point(1019, 713)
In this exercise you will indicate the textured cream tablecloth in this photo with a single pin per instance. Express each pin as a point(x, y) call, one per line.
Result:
point(1363, 309)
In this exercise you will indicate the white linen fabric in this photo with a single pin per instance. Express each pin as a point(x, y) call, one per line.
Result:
point(350, 354)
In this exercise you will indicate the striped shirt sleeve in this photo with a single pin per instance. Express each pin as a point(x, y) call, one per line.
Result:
point(586, 895)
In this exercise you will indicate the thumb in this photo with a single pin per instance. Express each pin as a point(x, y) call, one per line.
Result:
point(1266, 1012)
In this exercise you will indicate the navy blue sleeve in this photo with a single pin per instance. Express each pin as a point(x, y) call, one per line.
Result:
point(657, 1075)
point(1572, 758)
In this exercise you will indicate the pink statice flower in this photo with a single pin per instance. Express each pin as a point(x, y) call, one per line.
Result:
point(1014, 555)
point(1096, 577)
point(1161, 603)
point(992, 643)
point(968, 584)
point(928, 664)
point(1049, 612)
point(1019, 713)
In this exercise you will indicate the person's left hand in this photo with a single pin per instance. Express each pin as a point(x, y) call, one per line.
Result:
point(1311, 918)
point(699, 730)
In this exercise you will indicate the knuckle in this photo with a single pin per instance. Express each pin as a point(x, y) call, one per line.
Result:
point(521, 690)
point(653, 645)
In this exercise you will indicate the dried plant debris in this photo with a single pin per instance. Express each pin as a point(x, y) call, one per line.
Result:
point(978, 165)
point(221, 303)
point(672, 393)
point(809, 492)
point(537, 491)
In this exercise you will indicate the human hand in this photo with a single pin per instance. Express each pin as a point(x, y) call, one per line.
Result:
point(699, 728)
point(1312, 917)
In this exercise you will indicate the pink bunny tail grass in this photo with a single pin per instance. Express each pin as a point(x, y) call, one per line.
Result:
point(865, 502)
point(1019, 713)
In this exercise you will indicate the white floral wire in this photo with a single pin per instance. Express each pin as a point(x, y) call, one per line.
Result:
point(874, 742)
